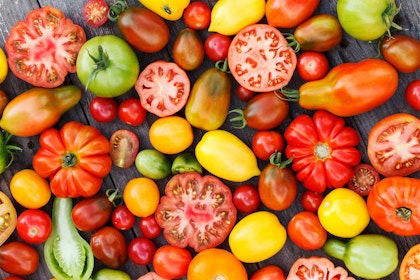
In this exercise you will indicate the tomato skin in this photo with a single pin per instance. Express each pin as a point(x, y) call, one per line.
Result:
point(188, 49)
point(402, 51)
point(141, 250)
point(412, 94)
point(317, 266)
point(132, 112)
point(290, 13)
point(153, 164)
point(246, 198)
point(149, 227)
point(170, 10)
point(311, 201)
point(122, 218)
point(141, 196)
point(197, 15)
point(305, 230)
point(312, 65)
point(95, 12)
point(171, 262)
point(408, 263)
point(365, 177)
point(34, 226)
point(390, 207)
point(18, 258)
point(8, 218)
point(4, 68)
point(216, 46)
point(244, 94)
point(124, 145)
point(103, 109)
point(269, 272)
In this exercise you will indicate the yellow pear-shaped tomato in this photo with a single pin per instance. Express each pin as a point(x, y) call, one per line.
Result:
point(167, 9)
point(226, 156)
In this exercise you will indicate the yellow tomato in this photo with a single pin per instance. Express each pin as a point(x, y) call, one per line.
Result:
point(228, 17)
point(29, 189)
point(257, 237)
point(4, 68)
point(141, 196)
point(343, 213)
point(168, 9)
point(226, 156)
point(171, 135)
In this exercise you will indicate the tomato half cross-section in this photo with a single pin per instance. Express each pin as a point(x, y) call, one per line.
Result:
point(260, 59)
point(196, 211)
point(43, 48)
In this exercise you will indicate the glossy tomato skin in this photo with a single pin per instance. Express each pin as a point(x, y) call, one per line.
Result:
point(153, 164)
point(197, 15)
point(131, 112)
point(267, 142)
point(311, 200)
point(269, 272)
point(244, 94)
point(402, 51)
point(103, 109)
point(305, 230)
point(365, 177)
point(95, 12)
point(171, 262)
point(141, 196)
point(412, 94)
point(122, 218)
point(246, 198)
point(124, 146)
point(188, 49)
point(18, 258)
point(149, 227)
point(34, 226)
point(141, 250)
point(289, 14)
point(312, 65)
point(216, 46)
point(317, 266)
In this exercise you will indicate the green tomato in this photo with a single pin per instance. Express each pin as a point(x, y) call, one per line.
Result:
point(184, 163)
point(367, 20)
point(153, 164)
point(107, 66)
point(110, 274)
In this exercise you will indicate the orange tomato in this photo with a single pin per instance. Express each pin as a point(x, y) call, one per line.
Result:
point(409, 269)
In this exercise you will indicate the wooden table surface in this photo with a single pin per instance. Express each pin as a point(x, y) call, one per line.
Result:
point(349, 50)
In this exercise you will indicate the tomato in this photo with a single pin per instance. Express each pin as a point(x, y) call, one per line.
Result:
point(167, 9)
point(385, 140)
point(312, 65)
point(18, 258)
point(197, 15)
point(132, 112)
point(306, 231)
point(29, 189)
point(203, 221)
point(4, 67)
point(267, 142)
point(163, 88)
point(74, 158)
point(92, 213)
point(108, 273)
point(402, 51)
point(109, 246)
point(103, 109)
point(13, 278)
point(317, 268)
point(171, 135)
point(311, 201)
point(213, 263)
point(257, 237)
point(290, 13)
point(323, 149)
point(33, 45)
point(149, 227)
point(153, 164)
point(124, 146)
point(216, 46)
point(186, 162)
point(254, 63)
point(8, 218)
point(408, 268)
point(247, 12)
point(367, 21)
point(365, 177)
point(151, 275)
point(141, 250)
point(392, 209)
point(246, 198)
point(34, 226)
point(244, 94)
point(226, 156)
point(343, 213)
point(188, 49)
point(269, 272)
point(412, 94)
point(171, 262)
point(141, 196)
point(95, 12)
point(122, 218)
point(4, 100)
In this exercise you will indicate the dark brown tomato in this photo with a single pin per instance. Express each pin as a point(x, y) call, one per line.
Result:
point(402, 51)
point(124, 147)
point(188, 49)
point(364, 179)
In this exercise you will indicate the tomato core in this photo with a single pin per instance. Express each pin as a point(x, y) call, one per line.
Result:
point(403, 213)
point(322, 151)
point(69, 160)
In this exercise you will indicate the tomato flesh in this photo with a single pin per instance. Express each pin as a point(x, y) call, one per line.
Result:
point(365, 177)
point(95, 12)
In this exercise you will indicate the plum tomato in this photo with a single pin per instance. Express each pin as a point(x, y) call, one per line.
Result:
point(216, 46)
point(131, 112)
point(141, 196)
point(34, 226)
point(311, 200)
point(141, 250)
point(122, 218)
point(312, 65)
point(188, 49)
point(124, 146)
point(18, 258)
point(305, 230)
point(171, 262)
point(267, 142)
point(149, 227)
point(103, 109)
point(365, 177)
point(402, 51)
point(95, 12)
point(197, 15)
point(244, 94)
point(289, 13)
point(412, 94)
point(269, 272)
point(246, 198)
point(207, 214)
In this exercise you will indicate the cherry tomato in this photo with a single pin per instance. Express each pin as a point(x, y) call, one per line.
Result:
point(216, 46)
point(122, 218)
point(132, 112)
point(95, 12)
point(312, 65)
point(34, 226)
point(269, 272)
point(141, 250)
point(246, 198)
point(124, 147)
point(412, 94)
point(244, 94)
point(306, 231)
point(311, 200)
point(149, 227)
point(171, 262)
point(267, 142)
point(103, 109)
point(141, 196)
point(365, 177)
point(18, 258)
point(197, 15)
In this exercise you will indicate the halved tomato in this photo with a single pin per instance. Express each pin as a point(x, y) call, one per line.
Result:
point(409, 268)
point(95, 12)
point(8, 217)
point(365, 177)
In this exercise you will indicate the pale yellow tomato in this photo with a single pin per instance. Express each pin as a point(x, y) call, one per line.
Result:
point(167, 9)
point(4, 68)
point(141, 196)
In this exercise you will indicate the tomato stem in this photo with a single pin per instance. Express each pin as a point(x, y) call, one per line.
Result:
point(286, 94)
point(238, 122)
point(292, 41)
point(390, 12)
point(7, 151)
point(69, 160)
point(116, 9)
point(322, 151)
point(403, 213)
point(275, 159)
point(101, 63)
point(224, 67)
point(115, 197)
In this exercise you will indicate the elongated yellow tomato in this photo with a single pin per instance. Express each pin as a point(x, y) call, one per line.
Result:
point(226, 156)
point(4, 69)
point(257, 237)
point(168, 9)
point(228, 17)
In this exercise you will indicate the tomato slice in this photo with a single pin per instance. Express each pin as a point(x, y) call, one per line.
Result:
point(8, 217)
point(260, 59)
point(409, 268)
point(365, 177)
point(43, 48)
point(95, 12)
point(163, 88)
point(124, 148)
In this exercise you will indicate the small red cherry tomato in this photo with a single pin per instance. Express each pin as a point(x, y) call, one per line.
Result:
point(149, 227)
point(122, 218)
point(103, 109)
point(244, 94)
point(306, 231)
point(267, 142)
point(365, 177)
point(246, 198)
point(269, 272)
point(412, 94)
point(141, 250)
point(132, 112)
point(311, 200)
point(34, 226)
point(171, 262)
point(216, 46)
point(197, 15)
point(312, 65)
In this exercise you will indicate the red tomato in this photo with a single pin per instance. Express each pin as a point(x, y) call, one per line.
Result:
point(149, 227)
point(171, 262)
point(246, 198)
point(319, 268)
point(267, 142)
point(412, 94)
point(216, 46)
point(289, 13)
point(152, 276)
point(18, 258)
point(34, 226)
point(244, 94)
point(269, 272)
point(103, 109)
point(259, 58)
point(365, 177)
point(132, 112)
point(311, 201)
point(392, 145)
point(122, 218)
point(124, 147)
point(200, 223)
point(141, 250)
point(14, 278)
point(163, 88)
point(312, 65)
point(306, 231)
point(197, 15)
point(29, 50)
point(402, 51)
point(95, 12)
point(188, 49)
